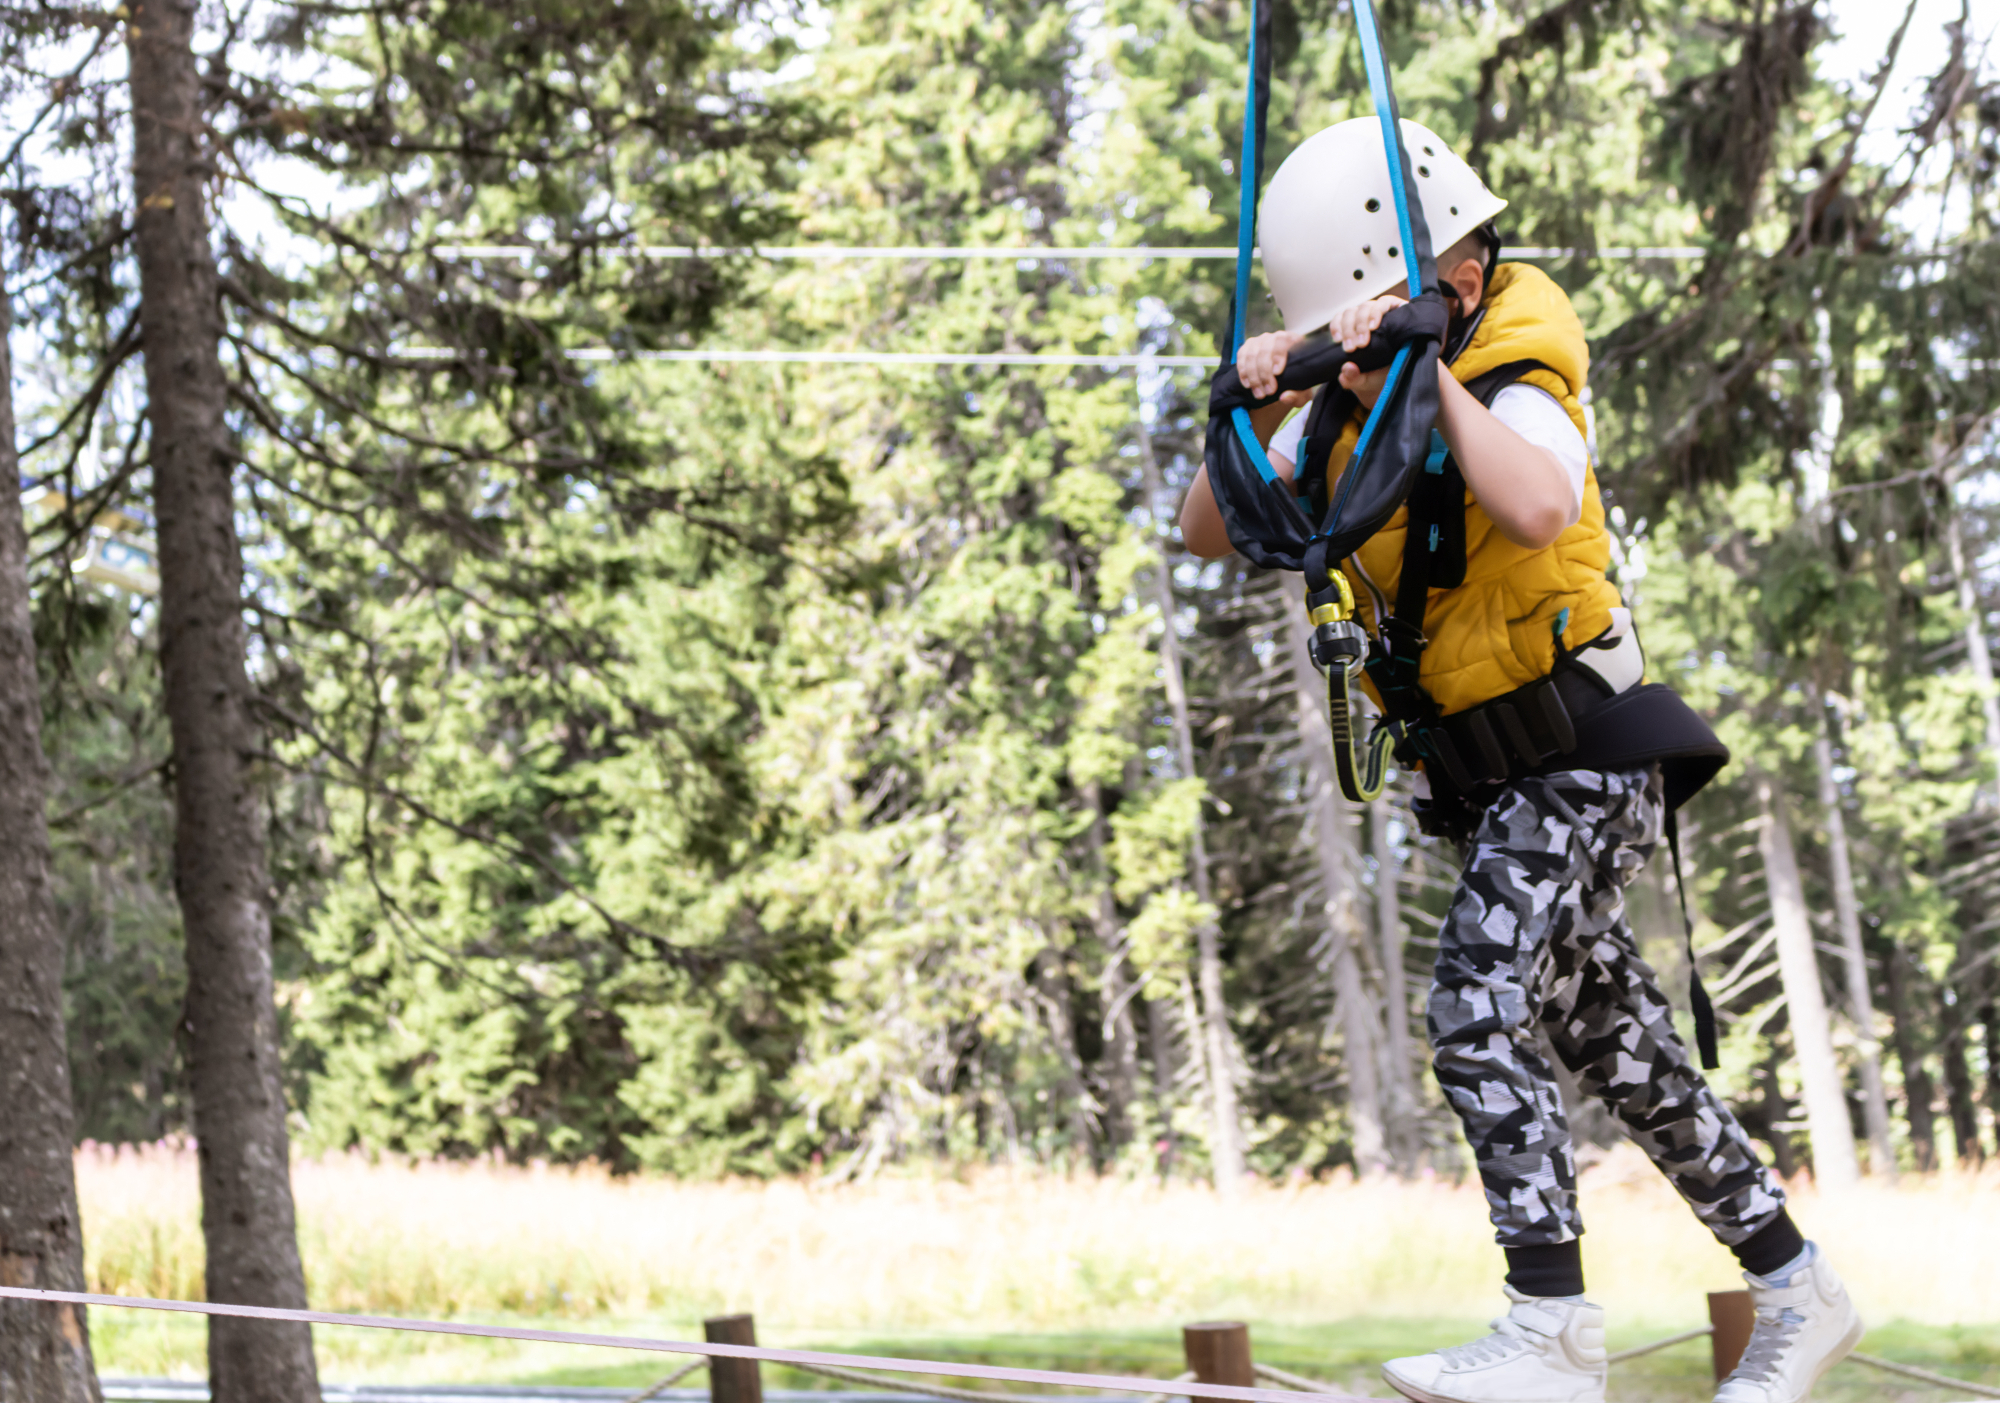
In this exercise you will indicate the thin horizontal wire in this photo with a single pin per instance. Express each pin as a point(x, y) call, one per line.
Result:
point(1110, 1383)
point(903, 358)
point(606, 353)
point(837, 253)
point(726, 356)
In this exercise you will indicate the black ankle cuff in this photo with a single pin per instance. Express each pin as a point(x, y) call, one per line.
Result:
point(1551, 1269)
point(1771, 1246)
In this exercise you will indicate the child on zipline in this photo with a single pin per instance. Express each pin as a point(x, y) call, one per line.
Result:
point(1536, 936)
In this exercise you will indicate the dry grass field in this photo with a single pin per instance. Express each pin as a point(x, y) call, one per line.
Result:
point(1014, 1267)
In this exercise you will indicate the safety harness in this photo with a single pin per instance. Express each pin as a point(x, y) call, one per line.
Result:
point(1570, 719)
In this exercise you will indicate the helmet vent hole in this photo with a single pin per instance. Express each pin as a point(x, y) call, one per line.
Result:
point(1392, 251)
point(1357, 275)
point(1423, 170)
point(1367, 249)
point(1429, 152)
point(1373, 206)
point(1454, 209)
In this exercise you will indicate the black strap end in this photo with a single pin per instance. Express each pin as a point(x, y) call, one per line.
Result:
point(1704, 1011)
point(1704, 1022)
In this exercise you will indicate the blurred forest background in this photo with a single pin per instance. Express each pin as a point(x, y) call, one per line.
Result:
point(748, 768)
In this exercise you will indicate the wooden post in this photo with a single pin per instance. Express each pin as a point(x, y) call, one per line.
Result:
point(1732, 1315)
point(733, 1380)
point(1218, 1352)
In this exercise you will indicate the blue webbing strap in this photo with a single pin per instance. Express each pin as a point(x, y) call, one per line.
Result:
point(1384, 98)
point(1375, 416)
point(1249, 162)
point(1241, 418)
point(1246, 197)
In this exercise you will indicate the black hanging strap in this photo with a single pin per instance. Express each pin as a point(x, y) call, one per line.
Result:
point(1704, 1011)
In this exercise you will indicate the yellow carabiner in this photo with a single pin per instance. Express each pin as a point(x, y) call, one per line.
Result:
point(1335, 613)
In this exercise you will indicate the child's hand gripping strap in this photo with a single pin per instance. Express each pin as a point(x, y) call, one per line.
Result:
point(1263, 517)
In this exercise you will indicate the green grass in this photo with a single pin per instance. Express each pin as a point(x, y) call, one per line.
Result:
point(1093, 1275)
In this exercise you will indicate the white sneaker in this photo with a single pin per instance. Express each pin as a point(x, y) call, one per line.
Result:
point(1542, 1351)
point(1805, 1326)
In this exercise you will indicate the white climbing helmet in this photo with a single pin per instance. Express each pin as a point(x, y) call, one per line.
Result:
point(1328, 222)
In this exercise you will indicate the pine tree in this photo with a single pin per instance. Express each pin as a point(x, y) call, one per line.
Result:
point(44, 1349)
point(231, 1023)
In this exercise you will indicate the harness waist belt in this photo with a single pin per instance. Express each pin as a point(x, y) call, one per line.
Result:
point(1514, 734)
point(1569, 721)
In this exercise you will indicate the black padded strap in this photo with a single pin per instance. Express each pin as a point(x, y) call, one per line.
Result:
point(1487, 385)
point(1331, 408)
point(1262, 516)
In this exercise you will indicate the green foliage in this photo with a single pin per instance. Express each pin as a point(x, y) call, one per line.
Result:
point(719, 768)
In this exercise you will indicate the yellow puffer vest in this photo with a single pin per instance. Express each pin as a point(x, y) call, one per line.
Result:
point(1497, 630)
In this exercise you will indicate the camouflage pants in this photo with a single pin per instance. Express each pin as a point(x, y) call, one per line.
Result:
point(1537, 934)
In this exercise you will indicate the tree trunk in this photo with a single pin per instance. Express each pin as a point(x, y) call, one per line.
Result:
point(1400, 1079)
point(1121, 989)
point(1775, 1115)
point(1121, 1036)
point(44, 1349)
point(1955, 1018)
point(1052, 991)
point(1957, 1076)
point(1847, 915)
point(1917, 1091)
point(1218, 1038)
point(1834, 1162)
point(1121, 1049)
point(1340, 881)
point(231, 1022)
point(1977, 658)
point(1166, 1063)
point(1958, 1089)
point(1990, 1014)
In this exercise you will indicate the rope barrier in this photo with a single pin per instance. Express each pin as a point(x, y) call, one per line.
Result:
point(1105, 1383)
point(1682, 1338)
point(1873, 1361)
point(1298, 1388)
point(1911, 1371)
point(1291, 1380)
point(957, 1395)
point(668, 1382)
